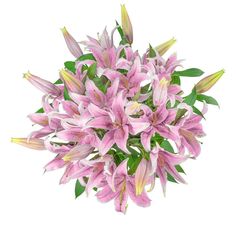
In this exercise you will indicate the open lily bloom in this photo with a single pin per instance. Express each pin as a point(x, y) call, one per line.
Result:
point(119, 122)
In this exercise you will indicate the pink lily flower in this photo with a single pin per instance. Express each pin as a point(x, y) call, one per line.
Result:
point(118, 124)
point(96, 96)
point(189, 128)
point(159, 121)
point(159, 74)
point(103, 50)
point(120, 187)
point(94, 170)
point(50, 119)
point(164, 162)
point(69, 159)
point(130, 84)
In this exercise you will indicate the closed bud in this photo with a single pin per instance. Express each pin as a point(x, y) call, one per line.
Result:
point(71, 43)
point(72, 83)
point(164, 47)
point(126, 24)
point(43, 85)
point(33, 143)
point(206, 83)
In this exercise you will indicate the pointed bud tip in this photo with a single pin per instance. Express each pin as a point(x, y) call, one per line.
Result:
point(14, 140)
point(222, 71)
point(64, 30)
point(27, 75)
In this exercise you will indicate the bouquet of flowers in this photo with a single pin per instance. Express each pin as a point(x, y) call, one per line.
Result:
point(117, 121)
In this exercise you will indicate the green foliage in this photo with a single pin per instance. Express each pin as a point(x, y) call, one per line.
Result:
point(145, 88)
point(191, 98)
point(167, 146)
point(91, 72)
point(79, 189)
point(196, 111)
point(171, 178)
point(66, 94)
point(88, 56)
point(175, 79)
point(70, 65)
point(59, 81)
point(134, 160)
point(207, 99)
point(180, 169)
point(123, 71)
point(151, 52)
point(122, 35)
point(100, 84)
point(40, 110)
point(192, 72)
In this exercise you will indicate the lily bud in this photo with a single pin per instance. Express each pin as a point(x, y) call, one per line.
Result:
point(164, 47)
point(43, 85)
point(33, 143)
point(126, 24)
point(206, 83)
point(71, 43)
point(72, 83)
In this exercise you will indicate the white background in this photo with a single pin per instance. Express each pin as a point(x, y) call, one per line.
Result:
point(35, 204)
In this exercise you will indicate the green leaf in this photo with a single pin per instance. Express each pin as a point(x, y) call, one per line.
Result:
point(207, 99)
point(91, 72)
point(79, 189)
point(192, 72)
point(99, 83)
point(191, 98)
point(40, 110)
point(88, 56)
point(122, 54)
point(196, 111)
point(66, 94)
point(175, 79)
point(171, 178)
point(123, 71)
point(167, 146)
point(84, 68)
point(157, 138)
point(59, 81)
point(145, 88)
point(179, 169)
point(70, 65)
point(152, 52)
point(134, 160)
point(120, 30)
point(122, 35)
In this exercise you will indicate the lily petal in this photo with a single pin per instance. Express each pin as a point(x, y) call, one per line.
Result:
point(107, 142)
